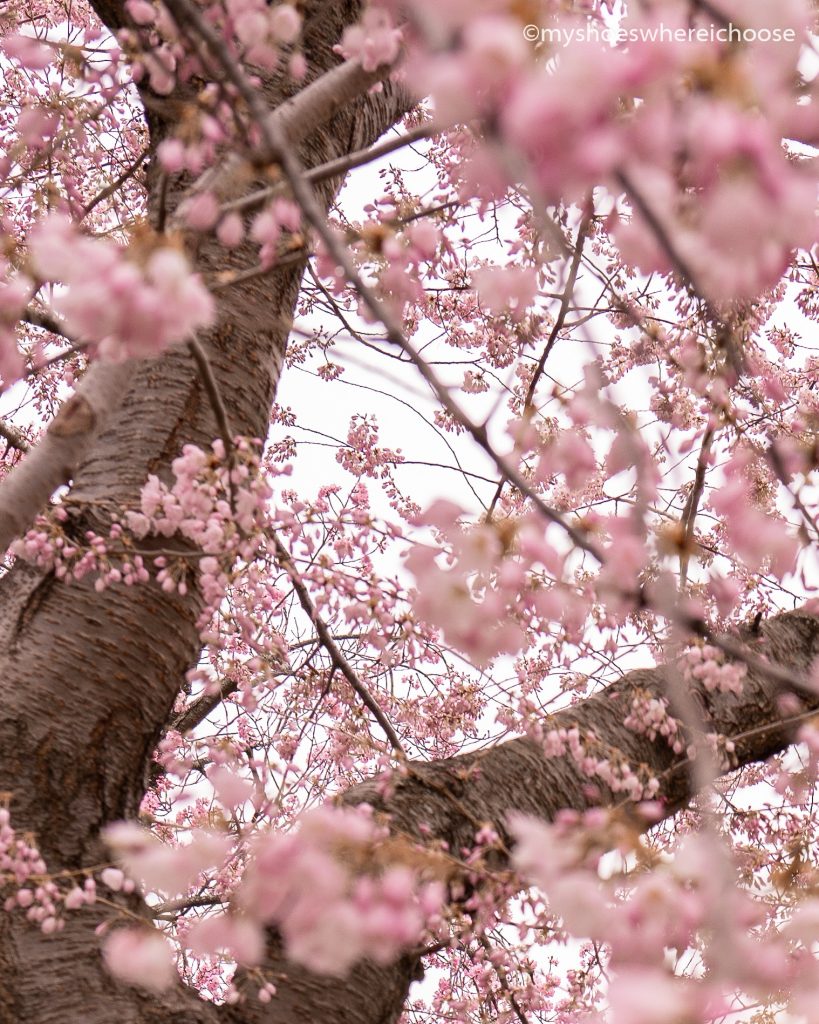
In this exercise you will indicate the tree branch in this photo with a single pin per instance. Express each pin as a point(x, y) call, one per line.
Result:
point(14, 437)
point(332, 648)
point(51, 464)
point(442, 800)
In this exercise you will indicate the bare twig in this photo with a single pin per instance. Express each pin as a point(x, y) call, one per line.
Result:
point(332, 648)
point(689, 515)
point(557, 326)
point(206, 374)
point(115, 185)
point(335, 167)
point(724, 335)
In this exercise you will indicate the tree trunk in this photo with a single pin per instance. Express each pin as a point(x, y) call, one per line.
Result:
point(88, 680)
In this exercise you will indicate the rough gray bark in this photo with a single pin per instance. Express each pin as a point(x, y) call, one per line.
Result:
point(88, 680)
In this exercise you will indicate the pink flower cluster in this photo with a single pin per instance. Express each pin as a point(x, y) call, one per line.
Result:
point(707, 665)
point(363, 456)
point(158, 867)
point(641, 915)
point(752, 528)
point(260, 29)
point(374, 40)
point(318, 885)
point(43, 901)
point(650, 717)
point(459, 598)
point(310, 884)
point(597, 763)
point(104, 297)
point(728, 215)
point(140, 956)
point(398, 258)
point(216, 504)
point(30, 52)
point(219, 505)
point(255, 30)
point(47, 546)
point(486, 584)
point(267, 227)
point(506, 289)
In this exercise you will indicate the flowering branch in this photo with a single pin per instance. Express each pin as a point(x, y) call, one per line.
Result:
point(332, 648)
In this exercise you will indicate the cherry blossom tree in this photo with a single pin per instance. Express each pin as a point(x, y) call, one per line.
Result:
point(470, 675)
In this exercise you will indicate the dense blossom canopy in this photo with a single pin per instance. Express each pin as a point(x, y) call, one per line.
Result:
point(547, 419)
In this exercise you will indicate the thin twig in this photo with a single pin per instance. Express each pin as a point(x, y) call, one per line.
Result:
point(724, 336)
point(329, 644)
point(689, 515)
point(200, 357)
point(557, 326)
point(115, 185)
point(335, 167)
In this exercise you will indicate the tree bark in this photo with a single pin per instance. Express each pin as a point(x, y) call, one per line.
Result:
point(87, 680)
point(451, 798)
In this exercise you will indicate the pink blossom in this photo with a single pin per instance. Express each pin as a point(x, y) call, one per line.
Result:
point(157, 866)
point(374, 40)
point(754, 535)
point(328, 918)
point(109, 300)
point(651, 996)
point(31, 53)
point(238, 936)
point(202, 211)
point(142, 11)
point(113, 878)
point(231, 789)
point(171, 154)
point(285, 23)
point(140, 956)
point(230, 230)
point(502, 289)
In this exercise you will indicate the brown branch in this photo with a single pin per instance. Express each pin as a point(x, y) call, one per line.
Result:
point(14, 437)
point(115, 185)
point(441, 801)
point(335, 167)
point(557, 327)
point(297, 117)
point(689, 516)
point(45, 321)
point(332, 648)
point(51, 464)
